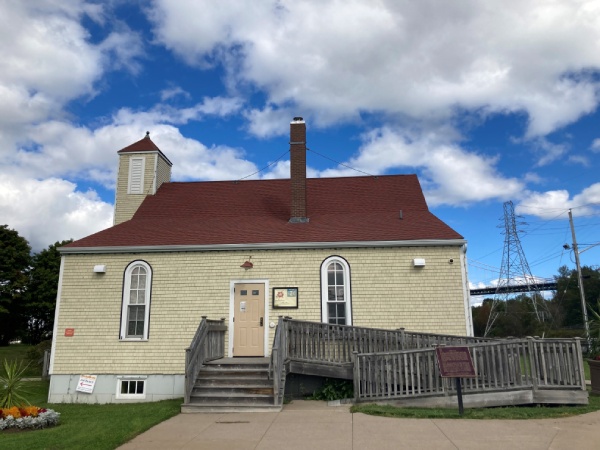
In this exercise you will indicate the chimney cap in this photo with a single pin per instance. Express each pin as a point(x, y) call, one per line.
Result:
point(297, 120)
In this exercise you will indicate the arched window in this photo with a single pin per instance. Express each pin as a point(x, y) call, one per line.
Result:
point(135, 314)
point(335, 291)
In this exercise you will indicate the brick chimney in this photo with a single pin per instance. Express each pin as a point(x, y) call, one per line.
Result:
point(298, 170)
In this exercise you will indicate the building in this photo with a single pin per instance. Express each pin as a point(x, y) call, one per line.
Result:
point(361, 251)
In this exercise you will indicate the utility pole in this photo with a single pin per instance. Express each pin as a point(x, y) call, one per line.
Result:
point(580, 279)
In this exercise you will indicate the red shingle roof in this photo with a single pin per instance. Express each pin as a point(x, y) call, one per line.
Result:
point(143, 145)
point(258, 212)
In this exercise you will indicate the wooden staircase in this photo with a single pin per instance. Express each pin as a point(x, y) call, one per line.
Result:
point(232, 385)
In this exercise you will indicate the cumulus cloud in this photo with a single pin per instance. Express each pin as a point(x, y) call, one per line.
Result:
point(48, 61)
point(550, 203)
point(418, 60)
point(45, 211)
point(449, 174)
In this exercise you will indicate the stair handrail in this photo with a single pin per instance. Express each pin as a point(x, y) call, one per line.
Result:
point(207, 344)
point(277, 363)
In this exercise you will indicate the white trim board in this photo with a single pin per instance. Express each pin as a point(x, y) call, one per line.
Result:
point(263, 246)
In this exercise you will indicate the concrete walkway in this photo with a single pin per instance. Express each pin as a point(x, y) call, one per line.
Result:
point(311, 425)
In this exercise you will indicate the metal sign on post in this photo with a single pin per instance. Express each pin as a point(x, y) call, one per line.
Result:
point(456, 362)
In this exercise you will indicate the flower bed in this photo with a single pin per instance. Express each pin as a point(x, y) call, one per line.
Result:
point(27, 417)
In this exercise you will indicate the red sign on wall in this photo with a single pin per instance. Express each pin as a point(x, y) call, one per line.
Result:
point(455, 362)
point(69, 332)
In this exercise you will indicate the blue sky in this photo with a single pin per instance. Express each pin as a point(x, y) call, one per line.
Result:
point(486, 101)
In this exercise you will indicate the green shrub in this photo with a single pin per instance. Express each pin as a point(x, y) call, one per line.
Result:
point(334, 389)
point(35, 355)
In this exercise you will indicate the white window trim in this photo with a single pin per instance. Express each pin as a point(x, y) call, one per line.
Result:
point(347, 288)
point(121, 378)
point(130, 189)
point(125, 301)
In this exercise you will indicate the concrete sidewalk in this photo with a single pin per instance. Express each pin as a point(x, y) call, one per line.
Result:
point(314, 425)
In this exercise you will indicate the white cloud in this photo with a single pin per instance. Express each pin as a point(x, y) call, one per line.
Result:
point(193, 160)
point(549, 151)
point(423, 60)
point(595, 145)
point(450, 175)
point(162, 113)
point(579, 159)
point(46, 211)
point(37, 200)
point(172, 92)
point(48, 61)
point(269, 121)
point(549, 204)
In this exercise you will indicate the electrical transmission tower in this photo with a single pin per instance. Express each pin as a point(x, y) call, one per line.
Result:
point(514, 271)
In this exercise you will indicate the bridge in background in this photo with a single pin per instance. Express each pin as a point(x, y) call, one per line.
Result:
point(491, 290)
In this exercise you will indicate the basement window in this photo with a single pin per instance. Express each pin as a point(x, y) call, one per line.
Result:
point(133, 387)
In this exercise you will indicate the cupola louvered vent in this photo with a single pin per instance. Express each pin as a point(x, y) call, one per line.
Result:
point(136, 176)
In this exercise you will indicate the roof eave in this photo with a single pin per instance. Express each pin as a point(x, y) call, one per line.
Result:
point(148, 151)
point(262, 246)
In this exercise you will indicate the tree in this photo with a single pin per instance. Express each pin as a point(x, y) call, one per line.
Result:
point(567, 298)
point(15, 261)
point(41, 294)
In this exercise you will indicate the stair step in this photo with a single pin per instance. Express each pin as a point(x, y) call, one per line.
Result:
point(232, 366)
point(211, 372)
point(233, 382)
point(231, 399)
point(227, 390)
point(232, 385)
point(226, 408)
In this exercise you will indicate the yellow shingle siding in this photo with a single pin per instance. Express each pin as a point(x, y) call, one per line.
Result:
point(127, 204)
point(163, 172)
point(387, 292)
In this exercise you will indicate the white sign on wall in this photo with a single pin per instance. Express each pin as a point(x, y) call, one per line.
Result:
point(86, 383)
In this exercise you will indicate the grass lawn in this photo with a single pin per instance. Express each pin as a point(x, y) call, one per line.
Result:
point(18, 352)
point(90, 427)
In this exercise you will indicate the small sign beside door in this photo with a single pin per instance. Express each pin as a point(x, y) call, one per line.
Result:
point(242, 306)
point(285, 298)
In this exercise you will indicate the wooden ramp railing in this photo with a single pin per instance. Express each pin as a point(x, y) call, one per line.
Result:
point(510, 365)
point(279, 354)
point(327, 343)
point(208, 344)
point(396, 364)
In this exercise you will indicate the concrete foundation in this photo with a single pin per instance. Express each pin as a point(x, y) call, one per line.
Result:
point(63, 388)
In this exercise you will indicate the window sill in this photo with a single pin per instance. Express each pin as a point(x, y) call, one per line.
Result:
point(133, 340)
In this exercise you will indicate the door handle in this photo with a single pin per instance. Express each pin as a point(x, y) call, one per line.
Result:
point(261, 322)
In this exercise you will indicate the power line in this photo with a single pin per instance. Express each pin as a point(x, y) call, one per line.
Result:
point(266, 167)
point(341, 164)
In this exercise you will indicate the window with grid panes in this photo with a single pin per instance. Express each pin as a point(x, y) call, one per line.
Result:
point(136, 301)
point(335, 291)
point(131, 388)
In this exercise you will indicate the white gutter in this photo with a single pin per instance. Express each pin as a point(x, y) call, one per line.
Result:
point(262, 246)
